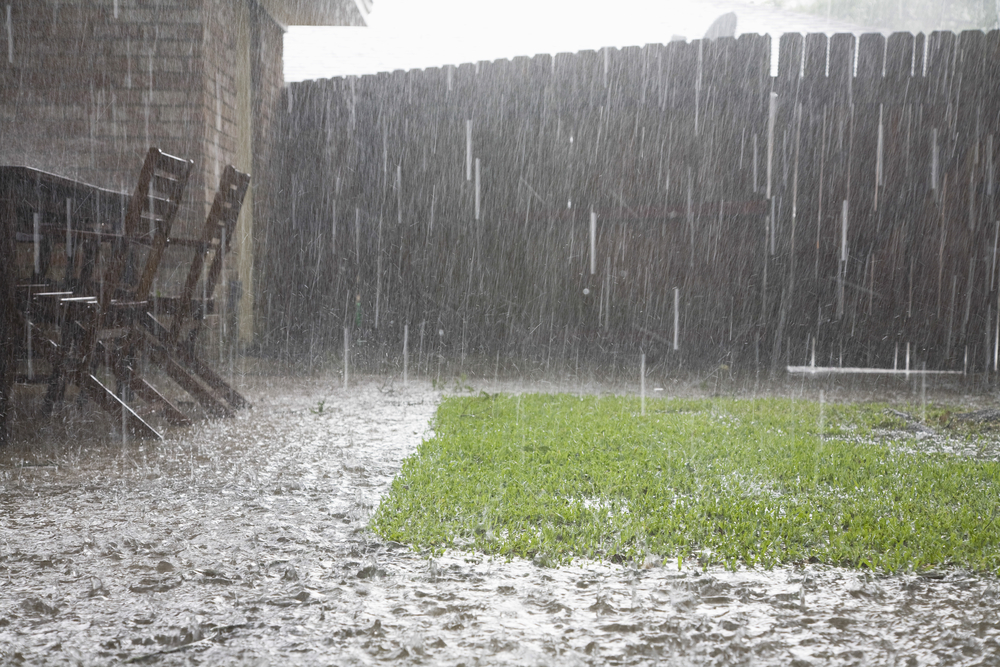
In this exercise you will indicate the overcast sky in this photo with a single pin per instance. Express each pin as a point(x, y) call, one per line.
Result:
point(411, 34)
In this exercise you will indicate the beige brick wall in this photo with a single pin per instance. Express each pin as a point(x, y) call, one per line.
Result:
point(268, 81)
point(86, 93)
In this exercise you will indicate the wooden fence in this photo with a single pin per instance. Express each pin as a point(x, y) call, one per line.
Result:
point(675, 199)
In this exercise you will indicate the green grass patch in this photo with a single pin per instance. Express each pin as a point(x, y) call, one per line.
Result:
point(754, 482)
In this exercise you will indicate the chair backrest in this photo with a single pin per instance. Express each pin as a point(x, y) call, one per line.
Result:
point(217, 234)
point(148, 219)
point(145, 233)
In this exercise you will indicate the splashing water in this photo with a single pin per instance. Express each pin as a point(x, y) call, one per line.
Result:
point(245, 540)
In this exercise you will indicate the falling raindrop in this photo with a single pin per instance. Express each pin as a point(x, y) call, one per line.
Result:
point(224, 319)
point(697, 84)
point(347, 355)
point(996, 340)
point(772, 224)
point(378, 273)
point(842, 269)
point(69, 235)
point(677, 317)
point(28, 341)
point(642, 383)
point(468, 149)
point(934, 159)
point(10, 38)
point(477, 188)
point(357, 235)
point(420, 349)
point(822, 413)
point(989, 165)
point(878, 156)
point(843, 233)
point(37, 243)
point(756, 187)
point(333, 229)
point(430, 222)
point(406, 353)
point(772, 112)
point(399, 192)
point(593, 245)
point(923, 391)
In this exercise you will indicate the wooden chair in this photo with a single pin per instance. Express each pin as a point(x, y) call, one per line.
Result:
point(147, 224)
point(178, 340)
point(173, 348)
point(217, 235)
point(121, 298)
point(112, 320)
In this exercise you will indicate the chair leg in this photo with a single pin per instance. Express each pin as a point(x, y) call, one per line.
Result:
point(127, 378)
point(212, 379)
point(181, 376)
point(114, 406)
point(56, 391)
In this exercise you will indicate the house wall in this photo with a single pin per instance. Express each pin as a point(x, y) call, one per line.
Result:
point(266, 201)
point(84, 92)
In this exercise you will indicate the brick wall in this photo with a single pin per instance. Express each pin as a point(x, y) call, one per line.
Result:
point(267, 199)
point(86, 92)
point(218, 91)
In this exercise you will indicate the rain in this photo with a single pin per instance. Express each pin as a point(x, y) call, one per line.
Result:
point(601, 202)
point(232, 297)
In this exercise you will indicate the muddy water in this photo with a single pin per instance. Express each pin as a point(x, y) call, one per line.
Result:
point(245, 542)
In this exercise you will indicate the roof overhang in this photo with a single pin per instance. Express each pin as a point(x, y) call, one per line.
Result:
point(318, 12)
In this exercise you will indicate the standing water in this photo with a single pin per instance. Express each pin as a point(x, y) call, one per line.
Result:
point(246, 541)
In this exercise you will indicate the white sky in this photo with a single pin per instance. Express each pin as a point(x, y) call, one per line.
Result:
point(412, 34)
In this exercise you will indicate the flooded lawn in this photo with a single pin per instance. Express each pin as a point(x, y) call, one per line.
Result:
point(245, 541)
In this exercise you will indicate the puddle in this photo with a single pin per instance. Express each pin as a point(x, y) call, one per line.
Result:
point(245, 540)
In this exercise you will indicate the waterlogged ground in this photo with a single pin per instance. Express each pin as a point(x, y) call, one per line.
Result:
point(245, 542)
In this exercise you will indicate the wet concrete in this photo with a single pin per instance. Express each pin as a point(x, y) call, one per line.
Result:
point(245, 542)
